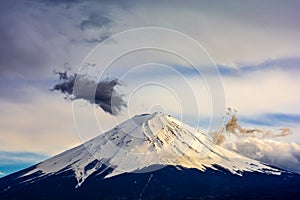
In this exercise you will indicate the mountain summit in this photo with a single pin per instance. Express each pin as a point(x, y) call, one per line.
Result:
point(145, 141)
point(145, 145)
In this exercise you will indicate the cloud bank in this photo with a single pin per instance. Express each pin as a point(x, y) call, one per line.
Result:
point(280, 154)
point(260, 145)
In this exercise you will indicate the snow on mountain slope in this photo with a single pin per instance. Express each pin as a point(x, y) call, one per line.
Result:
point(145, 141)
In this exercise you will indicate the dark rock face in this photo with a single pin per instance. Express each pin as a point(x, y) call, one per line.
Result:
point(167, 183)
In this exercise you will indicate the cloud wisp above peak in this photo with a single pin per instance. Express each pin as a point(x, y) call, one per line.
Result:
point(102, 94)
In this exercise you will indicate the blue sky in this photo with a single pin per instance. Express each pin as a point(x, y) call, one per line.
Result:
point(253, 43)
point(14, 161)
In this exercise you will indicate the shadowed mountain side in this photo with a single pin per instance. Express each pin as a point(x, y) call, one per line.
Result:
point(167, 183)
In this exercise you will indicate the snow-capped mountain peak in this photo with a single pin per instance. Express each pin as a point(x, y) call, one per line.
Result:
point(147, 142)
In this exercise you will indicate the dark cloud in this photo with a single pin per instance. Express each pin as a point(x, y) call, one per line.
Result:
point(69, 3)
point(37, 35)
point(95, 21)
point(98, 39)
point(59, 2)
point(101, 93)
point(19, 51)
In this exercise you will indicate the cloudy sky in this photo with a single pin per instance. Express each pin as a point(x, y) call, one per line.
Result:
point(254, 44)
